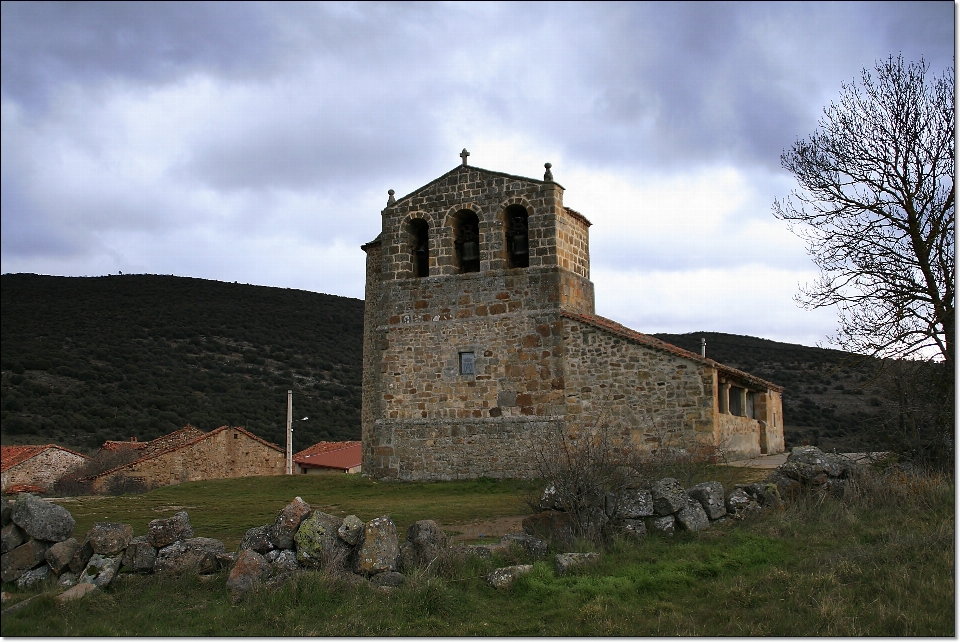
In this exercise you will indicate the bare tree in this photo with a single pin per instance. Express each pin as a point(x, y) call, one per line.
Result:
point(876, 210)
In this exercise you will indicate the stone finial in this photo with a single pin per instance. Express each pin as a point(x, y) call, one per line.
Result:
point(464, 155)
point(548, 175)
point(390, 199)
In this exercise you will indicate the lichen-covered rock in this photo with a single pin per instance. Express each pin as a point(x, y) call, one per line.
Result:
point(379, 547)
point(11, 536)
point(79, 560)
point(109, 538)
point(550, 499)
point(28, 555)
point(249, 571)
point(633, 504)
point(711, 497)
point(532, 546)
point(287, 522)
point(282, 561)
point(41, 519)
point(350, 530)
point(164, 532)
point(739, 501)
point(786, 486)
point(692, 517)
point(552, 526)
point(259, 539)
point(425, 541)
point(502, 578)
point(634, 528)
point(140, 556)
point(67, 580)
point(99, 571)
point(388, 578)
point(196, 555)
point(59, 555)
point(564, 562)
point(765, 494)
point(468, 550)
point(33, 577)
point(665, 524)
point(318, 543)
point(668, 496)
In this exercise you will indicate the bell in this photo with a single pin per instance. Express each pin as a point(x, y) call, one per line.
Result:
point(470, 251)
point(422, 250)
point(520, 246)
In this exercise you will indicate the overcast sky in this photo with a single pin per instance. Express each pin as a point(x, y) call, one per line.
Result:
point(256, 142)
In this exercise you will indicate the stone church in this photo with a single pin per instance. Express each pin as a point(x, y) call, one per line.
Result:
point(481, 342)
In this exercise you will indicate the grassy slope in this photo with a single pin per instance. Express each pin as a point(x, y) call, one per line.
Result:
point(881, 565)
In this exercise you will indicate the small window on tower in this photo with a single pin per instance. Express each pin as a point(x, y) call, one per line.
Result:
point(466, 363)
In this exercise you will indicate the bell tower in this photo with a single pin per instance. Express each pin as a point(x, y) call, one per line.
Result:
point(463, 361)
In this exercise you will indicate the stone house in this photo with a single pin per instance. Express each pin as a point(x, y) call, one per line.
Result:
point(225, 452)
point(481, 343)
point(38, 467)
point(329, 457)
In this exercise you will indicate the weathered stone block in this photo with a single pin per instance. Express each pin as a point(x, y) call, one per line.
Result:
point(378, 548)
point(288, 521)
point(41, 519)
point(100, 571)
point(668, 496)
point(666, 524)
point(79, 560)
point(140, 556)
point(632, 504)
point(11, 537)
point(351, 530)
point(35, 576)
point(711, 497)
point(318, 543)
point(259, 539)
point(28, 555)
point(425, 541)
point(163, 532)
point(565, 562)
point(59, 555)
point(249, 571)
point(692, 517)
point(503, 578)
point(109, 538)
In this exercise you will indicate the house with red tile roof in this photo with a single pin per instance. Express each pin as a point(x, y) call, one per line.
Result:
point(190, 454)
point(329, 457)
point(36, 467)
point(482, 346)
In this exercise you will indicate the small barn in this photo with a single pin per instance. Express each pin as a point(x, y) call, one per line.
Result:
point(36, 467)
point(330, 457)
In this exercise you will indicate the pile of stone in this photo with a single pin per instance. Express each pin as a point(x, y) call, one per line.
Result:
point(810, 469)
point(38, 545)
point(663, 507)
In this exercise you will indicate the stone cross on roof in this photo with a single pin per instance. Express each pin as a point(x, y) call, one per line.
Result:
point(464, 155)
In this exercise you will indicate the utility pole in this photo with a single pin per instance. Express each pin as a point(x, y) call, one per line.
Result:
point(703, 347)
point(289, 432)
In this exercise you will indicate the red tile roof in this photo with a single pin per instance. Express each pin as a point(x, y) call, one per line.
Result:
point(625, 332)
point(25, 488)
point(342, 455)
point(10, 456)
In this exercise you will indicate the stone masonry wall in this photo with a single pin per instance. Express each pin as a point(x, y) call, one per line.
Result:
point(643, 395)
point(227, 453)
point(43, 469)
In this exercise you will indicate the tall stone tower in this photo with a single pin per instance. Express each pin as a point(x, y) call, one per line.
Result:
point(481, 343)
point(462, 356)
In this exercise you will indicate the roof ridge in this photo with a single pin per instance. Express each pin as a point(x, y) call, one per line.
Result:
point(460, 168)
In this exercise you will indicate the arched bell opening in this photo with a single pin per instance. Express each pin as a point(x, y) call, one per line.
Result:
point(466, 229)
point(518, 236)
point(420, 247)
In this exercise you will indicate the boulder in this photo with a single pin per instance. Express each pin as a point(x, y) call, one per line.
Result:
point(425, 541)
point(532, 546)
point(282, 561)
point(288, 521)
point(259, 539)
point(552, 526)
point(100, 571)
point(469, 550)
point(564, 562)
point(79, 560)
point(110, 538)
point(379, 547)
point(140, 555)
point(634, 528)
point(249, 571)
point(6, 511)
point(350, 530)
point(633, 504)
point(666, 524)
point(692, 517)
point(194, 555)
point(502, 578)
point(388, 578)
point(806, 474)
point(786, 486)
point(59, 555)
point(76, 592)
point(34, 577)
point(41, 519)
point(28, 555)
point(710, 496)
point(766, 495)
point(318, 543)
point(164, 532)
point(67, 580)
point(739, 501)
point(668, 496)
point(11, 537)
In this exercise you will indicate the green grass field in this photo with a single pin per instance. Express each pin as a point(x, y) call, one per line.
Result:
point(880, 562)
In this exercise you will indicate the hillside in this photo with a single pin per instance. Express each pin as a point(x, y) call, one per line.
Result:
point(84, 360)
point(89, 359)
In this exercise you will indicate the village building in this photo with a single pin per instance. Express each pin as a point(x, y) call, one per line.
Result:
point(190, 454)
point(481, 343)
point(36, 468)
point(329, 457)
